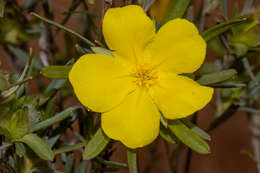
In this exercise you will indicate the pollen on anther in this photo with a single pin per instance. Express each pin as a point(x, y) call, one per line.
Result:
point(144, 76)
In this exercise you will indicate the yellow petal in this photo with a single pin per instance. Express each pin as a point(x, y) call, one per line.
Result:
point(178, 47)
point(127, 30)
point(135, 122)
point(159, 9)
point(100, 82)
point(178, 96)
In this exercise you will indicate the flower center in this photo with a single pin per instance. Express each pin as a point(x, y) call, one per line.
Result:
point(144, 76)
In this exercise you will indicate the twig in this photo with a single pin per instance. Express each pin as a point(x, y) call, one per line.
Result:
point(64, 28)
point(73, 6)
point(231, 110)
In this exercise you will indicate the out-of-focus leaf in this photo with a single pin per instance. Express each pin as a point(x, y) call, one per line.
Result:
point(29, 3)
point(68, 148)
point(56, 118)
point(216, 77)
point(249, 70)
point(206, 68)
point(50, 109)
point(2, 7)
point(95, 145)
point(188, 137)
point(20, 149)
point(217, 47)
point(23, 56)
point(101, 50)
point(91, 1)
point(56, 72)
point(132, 163)
point(167, 135)
point(69, 164)
point(38, 145)
point(16, 125)
point(196, 129)
point(251, 37)
point(221, 28)
point(176, 10)
point(23, 75)
point(3, 82)
point(81, 168)
point(52, 141)
point(82, 50)
point(55, 85)
point(112, 163)
point(250, 110)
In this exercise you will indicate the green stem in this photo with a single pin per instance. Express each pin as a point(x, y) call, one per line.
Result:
point(132, 163)
point(64, 28)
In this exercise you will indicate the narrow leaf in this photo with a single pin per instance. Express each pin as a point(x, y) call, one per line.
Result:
point(167, 135)
point(176, 10)
point(188, 137)
point(56, 72)
point(38, 145)
point(221, 28)
point(95, 145)
point(216, 77)
point(112, 164)
point(69, 163)
point(101, 50)
point(196, 129)
point(132, 161)
point(69, 148)
point(56, 118)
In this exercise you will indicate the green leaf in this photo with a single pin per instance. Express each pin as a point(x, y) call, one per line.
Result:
point(167, 135)
point(56, 72)
point(55, 85)
point(91, 1)
point(56, 118)
point(221, 28)
point(68, 148)
point(112, 164)
point(216, 77)
point(3, 82)
point(176, 10)
point(132, 162)
point(188, 137)
point(20, 149)
point(16, 125)
point(38, 145)
point(81, 50)
point(196, 129)
point(81, 168)
point(101, 50)
point(95, 145)
point(69, 163)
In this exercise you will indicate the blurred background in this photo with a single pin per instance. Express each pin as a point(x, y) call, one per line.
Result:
point(229, 142)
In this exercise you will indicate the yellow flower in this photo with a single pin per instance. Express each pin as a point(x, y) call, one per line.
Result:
point(142, 78)
point(159, 9)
